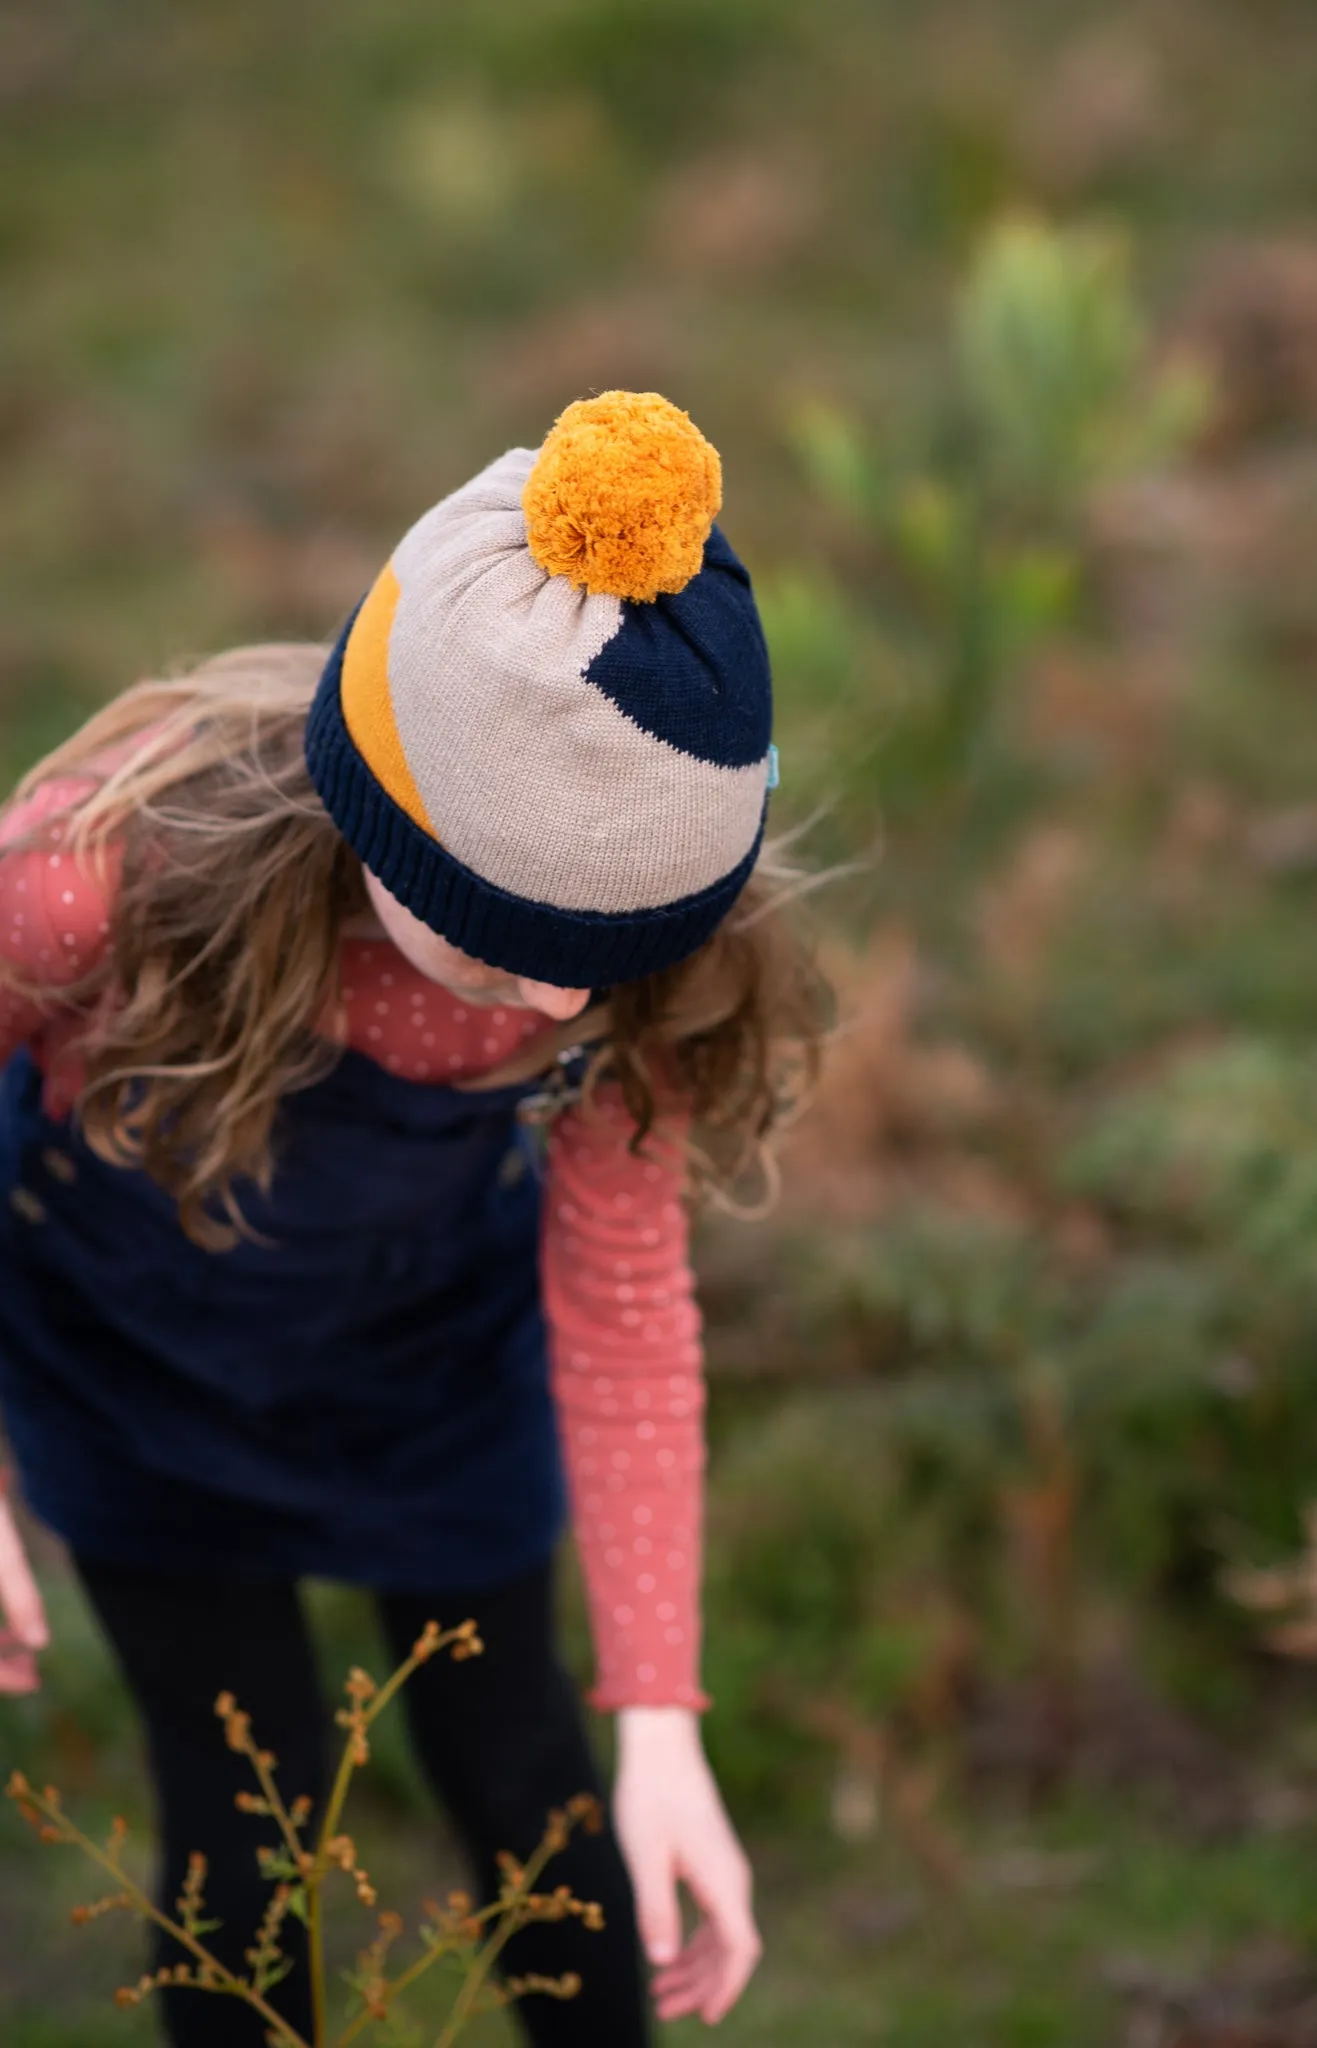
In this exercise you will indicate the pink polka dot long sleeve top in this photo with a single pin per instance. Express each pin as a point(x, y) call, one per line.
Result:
point(624, 1330)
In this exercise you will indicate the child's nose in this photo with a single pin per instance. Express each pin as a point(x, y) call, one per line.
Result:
point(559, 1003)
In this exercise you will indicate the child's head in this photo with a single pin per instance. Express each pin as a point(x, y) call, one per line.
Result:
point(539, 752)
point(546, 729)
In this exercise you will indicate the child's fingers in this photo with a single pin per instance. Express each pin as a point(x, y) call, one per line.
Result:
point(692, 1967)
point(734, 1951)
point(18, 1671)
point(658, 1912)
point(725, 1894)
point(680, 2006)
point(19, 1595)
point(691, 1994)
point(707, 1978)
point(736, 1972)
point(703, 1943)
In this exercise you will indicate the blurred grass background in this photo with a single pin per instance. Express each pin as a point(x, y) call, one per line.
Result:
point(1004, 317)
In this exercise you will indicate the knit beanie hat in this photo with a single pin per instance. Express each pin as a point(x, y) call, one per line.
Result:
point(546, 727)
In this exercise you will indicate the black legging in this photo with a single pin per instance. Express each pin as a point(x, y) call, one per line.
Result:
point(500, 1738)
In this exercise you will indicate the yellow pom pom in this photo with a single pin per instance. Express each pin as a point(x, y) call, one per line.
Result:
point(622, 496)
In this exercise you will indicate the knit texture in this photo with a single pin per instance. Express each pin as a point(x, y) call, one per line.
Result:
point(567, 783)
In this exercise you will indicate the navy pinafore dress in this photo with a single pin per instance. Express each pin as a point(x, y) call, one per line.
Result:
point(362, 1396)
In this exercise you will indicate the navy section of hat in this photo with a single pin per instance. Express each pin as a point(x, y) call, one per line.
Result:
point(692, 669)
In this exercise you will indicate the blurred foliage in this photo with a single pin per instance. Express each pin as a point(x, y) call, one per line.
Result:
point(976, 523)
point(1081, 1306)
point(1052, 354)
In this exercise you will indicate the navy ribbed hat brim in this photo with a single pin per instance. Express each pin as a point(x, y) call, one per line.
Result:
point(566, 948)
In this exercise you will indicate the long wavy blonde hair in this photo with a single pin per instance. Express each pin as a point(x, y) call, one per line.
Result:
point(217, 991)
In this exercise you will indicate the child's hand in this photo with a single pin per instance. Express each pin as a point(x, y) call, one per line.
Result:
point(672, 1824)
point(23, 1610)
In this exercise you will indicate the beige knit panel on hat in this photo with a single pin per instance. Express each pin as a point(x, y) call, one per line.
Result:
point(530, 775)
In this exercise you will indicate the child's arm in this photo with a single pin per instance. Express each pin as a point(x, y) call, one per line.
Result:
point(25, 1631)
point(54, 915)
point(53, 926)
point(628, 1383)
point(627, 1365)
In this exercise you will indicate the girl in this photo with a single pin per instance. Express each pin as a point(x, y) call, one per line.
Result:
point(290, 952)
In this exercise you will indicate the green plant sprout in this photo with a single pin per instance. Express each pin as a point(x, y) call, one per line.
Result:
point(970, 520)
point(298, 1871)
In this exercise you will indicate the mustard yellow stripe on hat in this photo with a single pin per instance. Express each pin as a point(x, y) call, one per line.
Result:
point(367, 704)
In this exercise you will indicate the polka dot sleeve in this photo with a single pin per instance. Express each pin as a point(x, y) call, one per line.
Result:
point(53, 920)
point(626, 1359)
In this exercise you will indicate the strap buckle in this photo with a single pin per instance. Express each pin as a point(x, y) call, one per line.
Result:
point(558, 1092)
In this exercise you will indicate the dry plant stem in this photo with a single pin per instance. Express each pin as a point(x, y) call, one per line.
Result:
point(406, 1979)
point(269, 1792)
point(347, 1763)
point(292, 1841)
point(502, 1908)
point(56, 1817)
point(489, 1954)
point(45, 1811)
point(316, 1877)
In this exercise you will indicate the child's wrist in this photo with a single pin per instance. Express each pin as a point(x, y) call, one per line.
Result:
point(673, 1730)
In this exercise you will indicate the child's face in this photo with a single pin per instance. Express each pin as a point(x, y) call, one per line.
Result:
point(452, 969)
